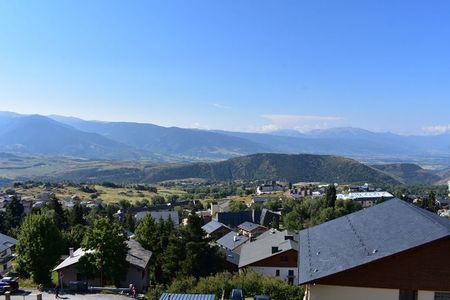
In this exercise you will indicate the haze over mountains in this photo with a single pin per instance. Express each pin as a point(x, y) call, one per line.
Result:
point(75, 150)
point(57, 135)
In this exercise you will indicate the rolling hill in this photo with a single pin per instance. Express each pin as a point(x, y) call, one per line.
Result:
point(286, 167)
point(409, 173)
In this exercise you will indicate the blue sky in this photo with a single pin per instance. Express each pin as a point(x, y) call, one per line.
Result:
point(235, 65)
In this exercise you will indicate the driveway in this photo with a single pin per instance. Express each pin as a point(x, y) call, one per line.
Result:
point(31, 294)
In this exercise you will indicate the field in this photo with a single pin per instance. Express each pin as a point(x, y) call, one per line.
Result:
point(108, 195)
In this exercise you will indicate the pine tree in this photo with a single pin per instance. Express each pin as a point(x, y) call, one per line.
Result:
point(14, 214)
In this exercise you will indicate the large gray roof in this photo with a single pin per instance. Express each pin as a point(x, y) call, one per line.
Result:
point(261, 248)
point(364, 236)
point(232, 240)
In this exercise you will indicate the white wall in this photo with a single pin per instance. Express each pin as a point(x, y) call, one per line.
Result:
point(329, 292)
point(271, 271)
point(425, 295)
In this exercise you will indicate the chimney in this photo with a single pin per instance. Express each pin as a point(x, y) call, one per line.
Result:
point(71, 252)
point(274, 250)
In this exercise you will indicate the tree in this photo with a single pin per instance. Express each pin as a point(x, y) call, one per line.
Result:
point(275, 223)
point(129, 223)
point(330, 196)
point(14, 214)
point(38, 247)
point(106, 243)
point(59, 213)
point(76, 215)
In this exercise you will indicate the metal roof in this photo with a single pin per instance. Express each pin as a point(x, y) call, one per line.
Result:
point(167, 296)
point(212, 226)
point(232, 240)
point(365, 195)
point(365, 236)
point(262, 247)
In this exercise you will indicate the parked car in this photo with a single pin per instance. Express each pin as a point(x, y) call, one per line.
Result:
point(262, 297)
point(237, 294)
point(8, 284)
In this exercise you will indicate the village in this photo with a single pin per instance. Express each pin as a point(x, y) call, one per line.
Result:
point(356, 228)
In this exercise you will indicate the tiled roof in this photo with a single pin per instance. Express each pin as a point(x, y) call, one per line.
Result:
point(6, 242)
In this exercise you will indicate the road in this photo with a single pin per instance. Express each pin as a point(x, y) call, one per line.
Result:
point(31, 295)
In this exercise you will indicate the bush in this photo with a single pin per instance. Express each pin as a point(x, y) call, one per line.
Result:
point(251, 283)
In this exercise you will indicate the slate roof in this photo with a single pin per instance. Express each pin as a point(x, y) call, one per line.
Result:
point(137, 255)
point(365, 236)
point(232, 240)
point(6, 242)
point(212, 226)
point(167, 296)
point(157, 215)
point(261, 248)
point(248, 226)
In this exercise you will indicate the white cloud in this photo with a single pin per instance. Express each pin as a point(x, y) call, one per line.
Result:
point(437, 129)
point(220, 106)
point(302, 123)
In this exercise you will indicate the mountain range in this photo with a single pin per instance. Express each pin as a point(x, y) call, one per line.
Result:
point(68, 136)
point(264, 166)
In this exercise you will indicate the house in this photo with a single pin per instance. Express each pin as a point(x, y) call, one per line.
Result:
point(261, 199)
point(233, 219)
point(215, 229)
point(231, 244)
point(272, 254)
point(268, 189)
point(220, 206)
point(367, 199)
point(7, 249)
point(167, 296)
point(158, 215)
point(443, 202)
point(137, 273)
point(251, 229)
point(393, 250)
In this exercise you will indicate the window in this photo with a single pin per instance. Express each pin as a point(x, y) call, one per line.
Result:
point(277, 273)
point(291, 273)
point(441, 296)
point(407, 295)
